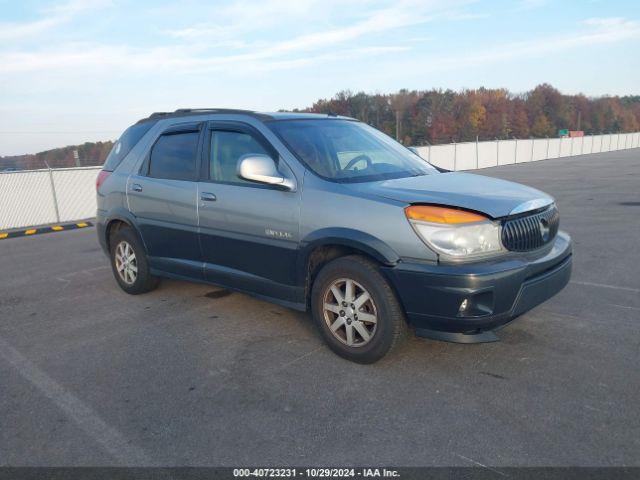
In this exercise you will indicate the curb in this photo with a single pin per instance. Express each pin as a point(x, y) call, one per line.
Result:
point(37, 231)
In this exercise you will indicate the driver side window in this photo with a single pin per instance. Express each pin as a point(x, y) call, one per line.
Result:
point(226, 149)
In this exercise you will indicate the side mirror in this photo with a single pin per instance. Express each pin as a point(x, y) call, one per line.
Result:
point(262, 169)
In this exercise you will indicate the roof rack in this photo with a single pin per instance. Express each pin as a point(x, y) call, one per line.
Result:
point(181, 112)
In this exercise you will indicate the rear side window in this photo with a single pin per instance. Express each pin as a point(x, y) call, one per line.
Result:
point(174, 156)
point(125, 143)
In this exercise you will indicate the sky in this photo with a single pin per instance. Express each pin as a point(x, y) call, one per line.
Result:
point(73, 71)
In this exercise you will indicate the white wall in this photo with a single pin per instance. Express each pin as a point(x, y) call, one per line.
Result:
point(472, 155)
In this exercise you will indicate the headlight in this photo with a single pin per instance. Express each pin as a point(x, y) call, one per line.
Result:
point(455, 233)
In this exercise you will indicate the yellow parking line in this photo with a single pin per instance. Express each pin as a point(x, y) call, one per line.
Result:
point(82, 224)
point(30, 232)
point(57, 228)
point(4, 235)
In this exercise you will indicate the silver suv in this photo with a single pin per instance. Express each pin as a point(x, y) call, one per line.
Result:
point(326, 214)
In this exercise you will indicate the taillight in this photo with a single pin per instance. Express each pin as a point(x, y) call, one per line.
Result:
point(102, 176)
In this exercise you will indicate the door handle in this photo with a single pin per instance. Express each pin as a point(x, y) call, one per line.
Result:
point(207, 197)
point(136, 187)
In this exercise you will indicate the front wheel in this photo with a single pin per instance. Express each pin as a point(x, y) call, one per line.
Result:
point(356, 310)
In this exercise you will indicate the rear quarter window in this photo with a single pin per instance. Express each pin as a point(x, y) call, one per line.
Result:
point(125, 143)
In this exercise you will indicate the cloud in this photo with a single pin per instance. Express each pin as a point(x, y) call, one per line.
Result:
point(600, 31)
point(168, 59)
point(125, 61)
point(14, 31)
point(239, 17)
point(51, 17)
point(244, 18)
point(202, 48)
point(248, 34)
point(531, 4)
point(606, 22)
point(379, 21)
point(330, 44)
point(75, 7)
point(197, 53)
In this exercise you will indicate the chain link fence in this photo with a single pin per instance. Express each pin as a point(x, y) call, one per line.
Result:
point(39, 197)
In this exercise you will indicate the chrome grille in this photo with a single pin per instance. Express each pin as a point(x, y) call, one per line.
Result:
point(529, 232)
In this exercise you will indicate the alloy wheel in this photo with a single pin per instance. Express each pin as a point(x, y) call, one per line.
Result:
point(350, 312)
point(126, 263)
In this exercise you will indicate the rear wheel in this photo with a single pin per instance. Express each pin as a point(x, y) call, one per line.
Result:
point(356, 310)
point(129, 263)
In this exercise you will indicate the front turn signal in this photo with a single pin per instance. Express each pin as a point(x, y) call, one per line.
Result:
point(434, 214)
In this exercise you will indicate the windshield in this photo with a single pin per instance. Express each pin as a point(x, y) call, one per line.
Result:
point(348, 151)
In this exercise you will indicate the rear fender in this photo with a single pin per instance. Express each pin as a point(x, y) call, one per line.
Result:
point(124, 216)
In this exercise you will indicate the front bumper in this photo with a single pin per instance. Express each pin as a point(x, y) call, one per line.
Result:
point(495, 292)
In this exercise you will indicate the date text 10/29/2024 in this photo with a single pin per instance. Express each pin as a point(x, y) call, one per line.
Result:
point(316, 472)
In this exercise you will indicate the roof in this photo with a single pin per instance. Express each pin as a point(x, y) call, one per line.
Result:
point(302, 116)
point(183, 112)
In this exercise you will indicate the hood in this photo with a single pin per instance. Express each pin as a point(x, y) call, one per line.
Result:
point(491, 196)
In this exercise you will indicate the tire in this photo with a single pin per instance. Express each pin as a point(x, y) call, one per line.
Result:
point(390, 327)
point(126, 241)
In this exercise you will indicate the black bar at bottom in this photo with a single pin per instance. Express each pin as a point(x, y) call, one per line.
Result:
point(437, 473)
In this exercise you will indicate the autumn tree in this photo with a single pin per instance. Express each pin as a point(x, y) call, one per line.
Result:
point(433, 116)
point(441, 116)
point(541, 126)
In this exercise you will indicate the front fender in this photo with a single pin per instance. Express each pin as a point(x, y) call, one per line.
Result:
point(346, 237)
